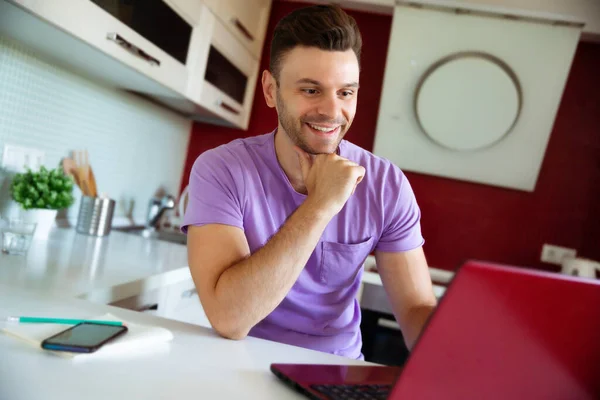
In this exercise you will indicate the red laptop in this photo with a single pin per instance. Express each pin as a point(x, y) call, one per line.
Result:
point(498, 333)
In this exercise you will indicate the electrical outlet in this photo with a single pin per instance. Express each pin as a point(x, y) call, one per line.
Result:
point(18, 159)
point(556, 254)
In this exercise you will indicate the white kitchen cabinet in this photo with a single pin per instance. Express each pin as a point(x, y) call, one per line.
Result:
point(174, 52)
point(96, 27)
point(181, 303)
point(177, 301)
point(224, 79)
point(188, 9)
point(146, 302)
point(247, 20)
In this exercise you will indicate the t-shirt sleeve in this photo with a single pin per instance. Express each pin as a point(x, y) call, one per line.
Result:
point(214, 194)
point(402, 229)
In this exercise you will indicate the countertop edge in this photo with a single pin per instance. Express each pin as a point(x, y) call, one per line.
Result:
point(136, 287)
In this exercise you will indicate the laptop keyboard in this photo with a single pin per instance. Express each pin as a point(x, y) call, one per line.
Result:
point(354, 392)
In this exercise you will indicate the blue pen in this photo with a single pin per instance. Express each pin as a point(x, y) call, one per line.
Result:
point(67, 321)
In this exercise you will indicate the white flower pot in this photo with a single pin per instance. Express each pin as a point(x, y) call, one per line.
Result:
point(43, 218)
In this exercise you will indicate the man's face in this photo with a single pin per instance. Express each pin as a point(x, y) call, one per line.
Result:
point(316, 97)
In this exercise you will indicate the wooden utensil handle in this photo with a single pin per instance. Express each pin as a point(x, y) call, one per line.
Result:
point(85, 188)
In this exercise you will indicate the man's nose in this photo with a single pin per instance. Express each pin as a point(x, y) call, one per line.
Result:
point(329, 106)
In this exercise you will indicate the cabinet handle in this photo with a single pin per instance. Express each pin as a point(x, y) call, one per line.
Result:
point(136, 51)
point(227, 107)
point(238, 24)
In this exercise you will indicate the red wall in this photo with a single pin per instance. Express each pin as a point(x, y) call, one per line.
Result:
point(463, 220)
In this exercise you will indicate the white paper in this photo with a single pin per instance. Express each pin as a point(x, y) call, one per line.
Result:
point(139, 339)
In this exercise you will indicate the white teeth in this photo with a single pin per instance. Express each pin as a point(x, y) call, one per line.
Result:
point(322, 129)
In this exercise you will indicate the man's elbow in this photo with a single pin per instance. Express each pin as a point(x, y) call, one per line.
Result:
point(229, 329)
point(225, 321)
point(232, 334)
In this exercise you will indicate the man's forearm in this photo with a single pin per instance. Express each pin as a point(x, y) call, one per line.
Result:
point(248, 291)
point(413, 323)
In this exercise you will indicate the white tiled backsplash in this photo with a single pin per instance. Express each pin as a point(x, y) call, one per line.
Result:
point(135, 147)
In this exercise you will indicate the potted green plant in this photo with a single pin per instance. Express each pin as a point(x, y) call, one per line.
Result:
point(41, 194)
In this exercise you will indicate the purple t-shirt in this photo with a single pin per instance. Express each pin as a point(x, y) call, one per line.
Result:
point(242, 184)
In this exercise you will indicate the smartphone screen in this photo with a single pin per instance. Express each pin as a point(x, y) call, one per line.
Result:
point(84, 337)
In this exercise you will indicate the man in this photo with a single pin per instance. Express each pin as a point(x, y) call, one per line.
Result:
point(280, 224)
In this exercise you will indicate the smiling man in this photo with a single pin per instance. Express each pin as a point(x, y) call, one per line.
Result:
point(279, 225)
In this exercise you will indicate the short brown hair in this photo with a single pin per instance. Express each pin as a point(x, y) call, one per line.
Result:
point(326, 27)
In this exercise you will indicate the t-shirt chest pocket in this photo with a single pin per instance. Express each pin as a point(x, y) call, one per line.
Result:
point(340, 263)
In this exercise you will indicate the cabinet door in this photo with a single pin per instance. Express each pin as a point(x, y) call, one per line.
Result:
point(183, 304)
point(151, 302)
point(114, 28)
point(223, 79)
point(155, 21)
point(246, 19)
point(188, 9)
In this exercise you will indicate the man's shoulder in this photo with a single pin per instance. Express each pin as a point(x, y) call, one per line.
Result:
point(234, 153)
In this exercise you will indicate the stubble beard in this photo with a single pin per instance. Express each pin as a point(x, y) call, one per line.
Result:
point(293, 128)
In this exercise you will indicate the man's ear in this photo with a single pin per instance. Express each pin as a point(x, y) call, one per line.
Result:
point(269, 86)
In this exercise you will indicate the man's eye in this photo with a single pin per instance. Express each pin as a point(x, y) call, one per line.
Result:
point(347, 93)
point(310, 91)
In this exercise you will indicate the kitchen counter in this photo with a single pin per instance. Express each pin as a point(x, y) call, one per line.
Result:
point(134, 272)
point(113, 268)
point(196, 364)
point(103, 270)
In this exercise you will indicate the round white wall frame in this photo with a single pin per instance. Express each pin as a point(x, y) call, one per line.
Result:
point(468, 101)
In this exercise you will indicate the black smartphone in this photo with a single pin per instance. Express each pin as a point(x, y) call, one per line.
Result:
point(85, 337)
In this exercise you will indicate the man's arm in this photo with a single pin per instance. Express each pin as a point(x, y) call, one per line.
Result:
point(406, 279)
point(237, 289)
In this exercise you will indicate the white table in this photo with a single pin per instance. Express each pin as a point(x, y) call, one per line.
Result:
point(197, 364)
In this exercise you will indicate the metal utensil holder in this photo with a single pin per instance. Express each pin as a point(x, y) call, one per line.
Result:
point(95, 216)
